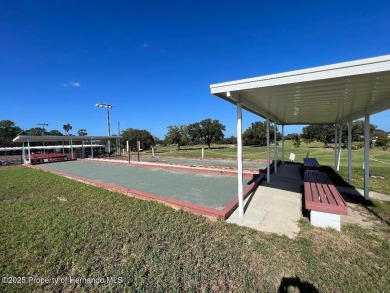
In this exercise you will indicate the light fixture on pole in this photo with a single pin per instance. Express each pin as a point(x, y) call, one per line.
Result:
point(108, 107)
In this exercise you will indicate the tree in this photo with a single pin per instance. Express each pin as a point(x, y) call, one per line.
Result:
point(55, 133)
point(256, 134)
point(358, 130)
point(326, 133)
point(133, 135)
point(8, 131)
point(296, 140)
point(308, 135)
point(229, 140)
point(67, 127)
point(35, 131)
point(177, 135)
point(323, 133)
point(382, 140)
point(208, 131)
point(82, 132)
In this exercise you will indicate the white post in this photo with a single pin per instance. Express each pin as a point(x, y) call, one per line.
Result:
point(239, 161)
point(153, 152)
point(91, 150)
point(335, 147)
point(268, 154)
point(339, 149)
point(275, 150)
point(367, 157)
point(29, 151)
point(283, 144)
point(71, 148)
point(202, 153)
point(349, 152)
point(24, 154)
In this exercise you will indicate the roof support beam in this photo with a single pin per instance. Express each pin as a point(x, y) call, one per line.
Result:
point(275, 150)
point(23, 154)
point(339, 148)
point(268, 154)
point(367, 157)
point(91, 150)
point(335, 146)
point(239, 161)
point(29, 152)
point(282, 144)
point(349, 152)
point(71, 148)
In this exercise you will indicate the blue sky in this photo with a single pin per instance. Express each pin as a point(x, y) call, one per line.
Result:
point(155, 60)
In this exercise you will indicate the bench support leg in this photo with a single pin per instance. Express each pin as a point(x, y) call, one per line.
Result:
point(325, 220)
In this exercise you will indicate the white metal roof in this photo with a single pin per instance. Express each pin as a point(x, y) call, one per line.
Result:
point(327, 94)
point(47, 138)
point(50, 147)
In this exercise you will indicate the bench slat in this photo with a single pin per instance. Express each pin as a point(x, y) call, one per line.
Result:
point(322, 195)
point(311, 164)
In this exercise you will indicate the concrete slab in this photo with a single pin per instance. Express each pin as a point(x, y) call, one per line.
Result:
point(275, 207)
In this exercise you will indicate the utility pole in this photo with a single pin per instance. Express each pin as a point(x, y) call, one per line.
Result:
point(43, 132)
point(43, 127)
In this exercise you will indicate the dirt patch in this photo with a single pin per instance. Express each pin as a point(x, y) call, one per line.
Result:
point(360, 216)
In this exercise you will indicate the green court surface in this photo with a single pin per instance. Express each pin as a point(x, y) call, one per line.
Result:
point(213, 191)
point(202, 162)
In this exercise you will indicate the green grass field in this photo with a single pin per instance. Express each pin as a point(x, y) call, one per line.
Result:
point(54, 227)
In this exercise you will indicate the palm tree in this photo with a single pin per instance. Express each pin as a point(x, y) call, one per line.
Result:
point(82, 132)
point(67, 127)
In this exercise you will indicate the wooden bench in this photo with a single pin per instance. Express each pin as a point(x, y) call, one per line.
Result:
point(323, 200)
point(311, 164)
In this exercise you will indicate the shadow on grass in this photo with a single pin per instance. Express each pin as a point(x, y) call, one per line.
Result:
point(287, 284)
point(336, 179)
point(367, 204)
point(353, 196)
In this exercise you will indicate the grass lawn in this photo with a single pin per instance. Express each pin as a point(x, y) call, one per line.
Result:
point(53, 227)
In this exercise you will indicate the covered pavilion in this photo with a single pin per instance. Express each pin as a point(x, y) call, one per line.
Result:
point(334, 94)
point(27, 139)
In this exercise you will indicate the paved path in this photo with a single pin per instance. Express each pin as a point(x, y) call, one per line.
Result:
point(373, 194)
point(275, 207)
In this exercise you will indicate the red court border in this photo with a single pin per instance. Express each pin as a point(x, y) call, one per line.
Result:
point(175, 203)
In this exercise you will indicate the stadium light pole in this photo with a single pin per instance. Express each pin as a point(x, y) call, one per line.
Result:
point(108, 107)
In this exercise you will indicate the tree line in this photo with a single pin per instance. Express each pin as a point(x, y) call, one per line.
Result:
point(9, 130)
point(207, 132)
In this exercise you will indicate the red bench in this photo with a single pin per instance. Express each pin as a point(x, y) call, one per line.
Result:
point(323, 200)
point(49, 158)
point(311, 164)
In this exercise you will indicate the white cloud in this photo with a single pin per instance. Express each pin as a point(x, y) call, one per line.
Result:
point(71, 84)
point(74, 84)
